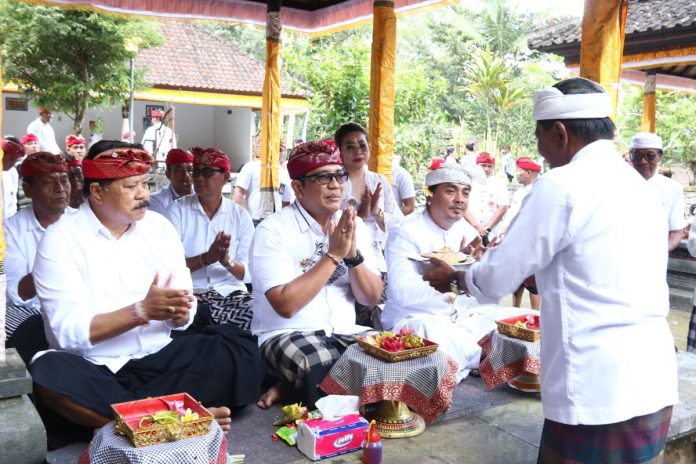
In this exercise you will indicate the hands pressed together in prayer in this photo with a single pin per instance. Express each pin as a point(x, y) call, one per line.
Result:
point(219, 249)
point(342, 235)
point(166, 303)
point(369, 205)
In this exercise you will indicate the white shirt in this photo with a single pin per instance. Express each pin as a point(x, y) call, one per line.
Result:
point(690, 244)
point(44, 132)
point(487, 197)
point(159, 136)
point(10, 185)
point(23, 233)
point(402, 185)
point(408, 293)
point(198, 232)
point(287, 244)
point(515, 204)
point(586, 233)
point(161, 199)
point(672, 196)
point(249, 179)
point(81, 271)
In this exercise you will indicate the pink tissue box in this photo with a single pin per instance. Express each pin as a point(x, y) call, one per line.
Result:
point(320, 439)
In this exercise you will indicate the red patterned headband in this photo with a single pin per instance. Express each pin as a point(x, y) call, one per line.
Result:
point(117, 163)
point(42, 162)
point(309, 156)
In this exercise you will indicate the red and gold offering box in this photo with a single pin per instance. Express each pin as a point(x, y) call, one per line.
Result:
point(134, 419)
point(525, 327)
point(319, 438)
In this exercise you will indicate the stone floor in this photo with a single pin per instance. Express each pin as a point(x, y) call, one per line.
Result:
point(506, 433)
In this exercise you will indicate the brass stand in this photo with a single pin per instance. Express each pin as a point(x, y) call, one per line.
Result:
point(526, 382)
point(395, 420)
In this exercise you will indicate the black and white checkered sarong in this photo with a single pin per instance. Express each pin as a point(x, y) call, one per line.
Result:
point(237, 308)
point(304, 358)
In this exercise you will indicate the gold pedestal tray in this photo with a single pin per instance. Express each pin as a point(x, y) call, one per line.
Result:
point(394, 419)
point(526, 382)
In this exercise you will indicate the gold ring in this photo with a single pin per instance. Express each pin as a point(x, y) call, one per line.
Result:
point(171, 310)
point(344, 230)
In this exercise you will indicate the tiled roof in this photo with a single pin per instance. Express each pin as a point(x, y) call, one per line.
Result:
point(193, 58)
point(643, 16)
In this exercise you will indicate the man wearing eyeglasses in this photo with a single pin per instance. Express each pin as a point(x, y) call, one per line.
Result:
point(646, 154)
point(216, 234)
point(309, 264)
point(179, 167)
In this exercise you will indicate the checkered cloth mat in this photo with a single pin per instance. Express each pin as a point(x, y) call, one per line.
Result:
point(425, 384)
point(107, 447)
point(503, 358)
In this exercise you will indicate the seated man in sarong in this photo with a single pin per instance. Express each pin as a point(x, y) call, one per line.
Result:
point(45, 181)
point(216, 233)
point(113, 282)
point(310, 262)
point(178, 171)
point(455, 322)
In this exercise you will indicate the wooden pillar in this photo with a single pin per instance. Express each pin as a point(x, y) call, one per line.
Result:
point(601, 46)
point(382, 93)
point(270, 113)
point(647, 121)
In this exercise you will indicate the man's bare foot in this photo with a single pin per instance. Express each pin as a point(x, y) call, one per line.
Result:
point(276, 393)
point(222, 417)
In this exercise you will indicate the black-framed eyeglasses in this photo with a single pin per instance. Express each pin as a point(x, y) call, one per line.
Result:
point(205, 172)
point(325, 178)
point(649, 157)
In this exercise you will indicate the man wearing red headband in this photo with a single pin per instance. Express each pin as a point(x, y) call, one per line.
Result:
point(309, 264)
point(489, 199)
point(13, 151)
point(158, 139)
point(45, 181)
point(41, 128)
point(75, 147)
point(216, 233)
point(113, 284)
point(30, 143)
point(179, 167)
point(527, 172)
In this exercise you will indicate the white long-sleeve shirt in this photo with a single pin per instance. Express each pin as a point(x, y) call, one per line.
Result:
point(672, 196)
point(588, 231)
point(198, 232)
point(23, 233)
point(286, 245)
point(81, 270)
point(408, 293)
point(47, 137)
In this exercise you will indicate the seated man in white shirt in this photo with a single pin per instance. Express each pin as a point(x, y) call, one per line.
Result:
point(595, 249)
point(45, 181)
point(179, 166)
point(12, 152)
point(113, 284)
point(646, 154)
point(216, 234)
point(456, 323)
point(309, 264)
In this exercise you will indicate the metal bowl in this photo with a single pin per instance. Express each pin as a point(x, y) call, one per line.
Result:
point(423, 265)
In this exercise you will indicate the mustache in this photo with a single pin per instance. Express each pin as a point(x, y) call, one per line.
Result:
point(143, 204)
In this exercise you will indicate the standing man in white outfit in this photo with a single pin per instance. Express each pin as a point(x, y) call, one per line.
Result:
point(41, 128)
point(646, 154)
point(589, 226)
point(489, 199)
point(158, 138)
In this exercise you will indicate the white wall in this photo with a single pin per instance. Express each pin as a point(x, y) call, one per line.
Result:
point(195, 125)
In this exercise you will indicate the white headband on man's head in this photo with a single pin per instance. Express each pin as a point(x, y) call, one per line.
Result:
point(551, 103)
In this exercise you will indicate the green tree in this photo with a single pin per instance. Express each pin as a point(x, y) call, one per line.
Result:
point(70, 59)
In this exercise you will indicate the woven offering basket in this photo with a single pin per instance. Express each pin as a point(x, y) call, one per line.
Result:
point(508, 327)
point(128, 417)
point(389, 356)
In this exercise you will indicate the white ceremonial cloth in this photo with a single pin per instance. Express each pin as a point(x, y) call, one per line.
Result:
point(47, 137)
point(10, 186)
point(198, 232)
point(603, 291)
point(287, 244)
point(23, 233)
point(81, 270)
point(671, 194)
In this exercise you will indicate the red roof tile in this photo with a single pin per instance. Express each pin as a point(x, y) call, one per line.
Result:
point(193, 58)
